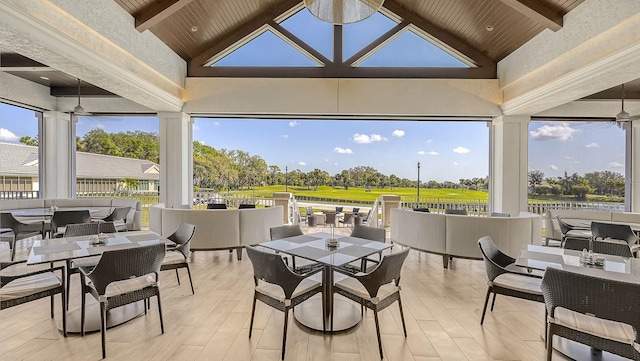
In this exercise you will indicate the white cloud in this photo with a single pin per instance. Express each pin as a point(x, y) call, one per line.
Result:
point(461, 150)
point(563, 131)
point(398, 133)
point(616, 165)
point(216, 124)
point(553, 167)
point(100, 126)
point(302, 163)
point(285, 136)
point(196, 128)
point(455, 163)
point(294, 124)
point(367, 139)
point(7, 136)
point(422, 152)
point(429, 141)
point(336, 163)
point(433, 153)
point(342, 150)
point(592, 145)
point(201, 142)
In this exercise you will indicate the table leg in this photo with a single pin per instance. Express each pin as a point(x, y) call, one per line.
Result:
point(115, 317)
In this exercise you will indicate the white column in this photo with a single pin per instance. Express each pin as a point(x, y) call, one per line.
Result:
point(176, 158)
point(58, 155)
point(508, 164)
point(632, 168)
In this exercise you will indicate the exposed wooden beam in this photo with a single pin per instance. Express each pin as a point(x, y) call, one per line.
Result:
point(478, 57)
point(343, 72)
point(158, 11)
point(241, 32)
point(84, 91)
point(536, 11)
point(17, 62)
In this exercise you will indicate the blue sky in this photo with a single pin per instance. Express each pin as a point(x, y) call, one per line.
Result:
point(446, 150)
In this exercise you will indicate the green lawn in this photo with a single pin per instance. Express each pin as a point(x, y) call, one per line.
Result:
point(360, 194)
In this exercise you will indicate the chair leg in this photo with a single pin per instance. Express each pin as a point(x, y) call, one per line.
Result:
point(68, 281)
point(333, 302)
point(52, 305)
point(160, 312)
point(375, 316)
point(404, 327)
point(103, 328)
point(549, 341)
point(486, 301)
point(84, 302)
point(493, 302)
point(253, 312)
point(190, 280)
point(284, 334)
point(324, 318)
point(64, 313)
point(12, 246)
point(178, 276)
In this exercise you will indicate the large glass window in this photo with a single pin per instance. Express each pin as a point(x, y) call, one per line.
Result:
point(19, 165)
point(577, 161)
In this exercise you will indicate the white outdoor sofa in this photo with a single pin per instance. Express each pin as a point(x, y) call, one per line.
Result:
point(218, 229)
point(577, 216)
point(452, 235)
point(104, 207)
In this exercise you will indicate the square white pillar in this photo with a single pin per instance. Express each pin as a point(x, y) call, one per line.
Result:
point(176, 158)
point(632, 168)
point(508, 164)
point(58, 155)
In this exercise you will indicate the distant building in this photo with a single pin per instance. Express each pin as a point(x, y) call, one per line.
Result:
point(94, 172)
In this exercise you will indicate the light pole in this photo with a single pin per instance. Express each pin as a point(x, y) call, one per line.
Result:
point(418, 182)
point(228, 181)
point(286, 178)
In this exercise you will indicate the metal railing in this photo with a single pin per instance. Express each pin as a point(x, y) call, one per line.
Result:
point(4, 195)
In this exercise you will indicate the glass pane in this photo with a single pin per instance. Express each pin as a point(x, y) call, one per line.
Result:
point(358, 35)
point(318, 34)
point(19, 163)
point(411, 50)
point(266, 50)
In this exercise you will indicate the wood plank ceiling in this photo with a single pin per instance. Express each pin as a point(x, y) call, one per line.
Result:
point(513, 22)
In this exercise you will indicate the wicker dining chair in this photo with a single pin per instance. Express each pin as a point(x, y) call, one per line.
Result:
point(377, 289)
point(122, 277)
point(347, 219)
point(84, 229)
point(569, 231)
point(620, 232)
point(601, 313)
point(61, 219)
point(119, 218)
point(178, 252)
point(26, 286)
point(461, 212)
point(216, 206)
point(292, 230)
point(247, 206)
point(373, 234)
point(278, 286)
point(19, 230)
point(330, 219)
point(505, 278)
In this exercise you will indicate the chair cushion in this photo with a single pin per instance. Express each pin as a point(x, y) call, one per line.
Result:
point(86, 262)
point(173, 257)
point(518, 282)
point(578, 233)
point(526, 271)
point(19, 269)
point(354, 286)
point(29, 285)
point(129, 285)
point(610, 330)
point(276, 292)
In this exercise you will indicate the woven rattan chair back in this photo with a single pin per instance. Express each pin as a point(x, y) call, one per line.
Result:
point(621, 232)
point(601, 297)
point(613, 247)
point(247, 206)
point(63, 218)
point(339, 209)
point(421, 209)
point(355, 210)
point(577, 244)
point(123, 264)
point(330, 218)
point(388, 270)
point(20, 230)
point(462, 212)
point(499, 214)
point(118, 214)
point(85, 229)
point(347, 218)
point(288, 230)
point(370, 233)
point(182, 237)
point(270, 268)
point(495, 262)
point(216, 206)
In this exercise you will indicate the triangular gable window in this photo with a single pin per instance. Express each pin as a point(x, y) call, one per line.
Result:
point(266, 49)
point(411, 50)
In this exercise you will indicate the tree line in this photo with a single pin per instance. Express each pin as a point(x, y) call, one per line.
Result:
point(223, 169)
point(605, 183)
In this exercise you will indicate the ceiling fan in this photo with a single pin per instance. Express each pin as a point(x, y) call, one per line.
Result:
point(79, 110)
point(623, 116)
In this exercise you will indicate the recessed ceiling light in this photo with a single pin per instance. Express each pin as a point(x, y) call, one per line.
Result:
point(194, 29)
point(489, 27)
point(44, 78)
